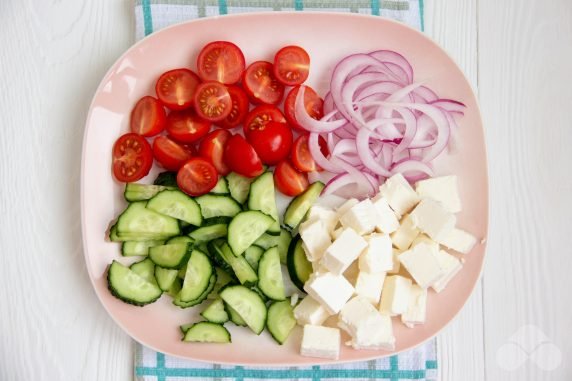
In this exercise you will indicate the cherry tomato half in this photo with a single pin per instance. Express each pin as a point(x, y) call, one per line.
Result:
point(221, 61)
point(291, 65)
point(301, 156)
point(176, 88)
point(261, 85)
point(272, 142)
point(132, 158)
point(212, 149)
point(212, 101)
point(169, 153)
point(239, 108)
point(313, 103)
point(148, 117)
point(241, 157)
point(197, 177)
point(186, 126)
point(288, 180)
point(260, 115)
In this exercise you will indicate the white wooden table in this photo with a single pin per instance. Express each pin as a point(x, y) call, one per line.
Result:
point(516, 53)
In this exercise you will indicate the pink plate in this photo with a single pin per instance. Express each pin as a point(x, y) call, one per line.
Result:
point(327, 37)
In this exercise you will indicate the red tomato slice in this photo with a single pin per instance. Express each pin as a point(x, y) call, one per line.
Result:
point(272, 142)
point(212, 149)
point(260, 115)
point(301, 156)
point(288, 180)
point(186, 126)
point(291, 65)
point(242, 158)
point(148, 117)
point(239, 108)
point(197, 177)
point(261, 85)
point(176, 88)
point(313, 103)
point(221, 61)
point(212, 101)
point(132, 158)
point(169, 154)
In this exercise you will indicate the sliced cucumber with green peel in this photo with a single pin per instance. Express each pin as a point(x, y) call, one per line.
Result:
point(180, 239)
point(141, 248)
point(142, 192)
point(223, 278)
point(238, 265)
point(165, 277)
point(197, 277)
point(299, 267)
point(252, 256)
point(283, 244)
point(175, 288)
point(170, 256)
point(145, 269)
point(216, 221)
point(239, 186)
point(113, 237)
point(234, 317)
point(221, 187)
point(213, 205)
point(248, 304)
point(266, 241)
point(281, 320)
point(207, 332)
point(270, 280)
point(208, 233)
point(245, 228)
point(215, 312)
point(300, 205)
point(262, 197)
point(141, 224)
point(176, 204)
point(179, 303)
point(129, 287)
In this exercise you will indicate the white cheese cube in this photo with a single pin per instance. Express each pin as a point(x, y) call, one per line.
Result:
point(417, 310)
point(330, 290)
point(327, 216)
point(369, 286)
point(309, 311)
point(362, 217)
point(336, 233)
point(352, 272)
point(443, 189)
point(450, 265)
point(459, 240)
point(399, 194)
point(316, 239)
point(396, 263)
point(378, 256)
point(330, 201)
point(430, 217)
point(368, 328)
point(422, 263)
point(422, 238)
point(342, 209)
point(340, 254)
point(396, 295)
point(405, 234)
point(322, 342)
point(388, 222)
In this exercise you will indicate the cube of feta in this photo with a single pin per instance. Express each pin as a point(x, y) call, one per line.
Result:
point(459, 240)
point(422, 263)
point(422, 238)
point(443, 189)
point(340, 254)
point(432, 219)
point(362, 217)
point(327, 216)
point(396, 295)
point(336, 233)
point(405, 234)
point(378, 255)
point(316, 239)
point(322, 342)
point(330, 201)
point(352, 272)
point(330, 290)
point(369, 286)
point(396, 264)
point(346, 206)
point(399, 194)
point(450, 265)
point(309, 311)
point(388, 222)
point(417, 310)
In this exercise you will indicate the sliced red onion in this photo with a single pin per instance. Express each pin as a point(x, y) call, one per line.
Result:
point(378, 88)
point(395, 58)
point(426, 93)
point(348, 94)
point(309, 123)
point(412, 169)
point(365, 154)
point(319, 158)
point(410, 130)
point(450, 105)
point(343, 146)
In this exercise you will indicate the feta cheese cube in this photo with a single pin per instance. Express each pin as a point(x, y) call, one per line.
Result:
point(330, 201)
point(327, 216)
point(316, 239)
point(443, 189)
point(388, 222)
point(342, 209)
point(430, 217)
point(330, 290)
point(368, 328)
point(362, 217)
point(422, 263)
point(309, 311)
point(322, 342)
point(417, 310)
point(369, 286)
point(378, 256)
point(396, 295)
point(459, 240)
point(422, 238)
point(405, 234)
point(396, 263)
point(340, 254)
point(352, 272)
point(399, 194)
point(450, 265)
point(336, 233)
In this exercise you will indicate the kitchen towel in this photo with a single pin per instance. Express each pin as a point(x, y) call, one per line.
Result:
point(417, 364)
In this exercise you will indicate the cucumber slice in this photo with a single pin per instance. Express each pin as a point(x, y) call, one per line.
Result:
point(180, 239)
point(252, 256)
point(262, 197)
point(248, 304)
point(270, 280)
point(141, 248)
point(215, 312)
point(216, 221)
point(207, 332)
point(281, 320)
point(113, 237)
point(218, 206)
point(300, 205)
point(283, 244)
point(239, 186)
point(129, 287)
point(266, 241)
point(234, 316)
point(238, 265)
point(176, 204)
point(165, 277)
point(299, 267)
point(145, 269)
point(168, 179)
point(208, 233)
point(221, 187)
point(245, 228)
point(142, 192)
point(197, 278)
point(175, 288)
point(222, 279)
point(179, 303)
point(170, 256)
point(141, 224)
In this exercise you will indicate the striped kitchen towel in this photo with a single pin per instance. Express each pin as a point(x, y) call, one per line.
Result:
point(417, 364)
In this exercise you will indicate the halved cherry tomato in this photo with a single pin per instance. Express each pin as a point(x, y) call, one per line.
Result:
point(132, 158)
point(301, 156)
point(288, 180)
point(313, 103)
point(272, 142)
point(212, 149)
point(197, 177)
point(148, 117)
point(221, 61)
point(241, 157)
point(291, 65)
point(212, 101)
point(169, 154)
point(260, 115)
point(261, 85)
point(176, 88)
point(186, 126)
point(239, 108)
